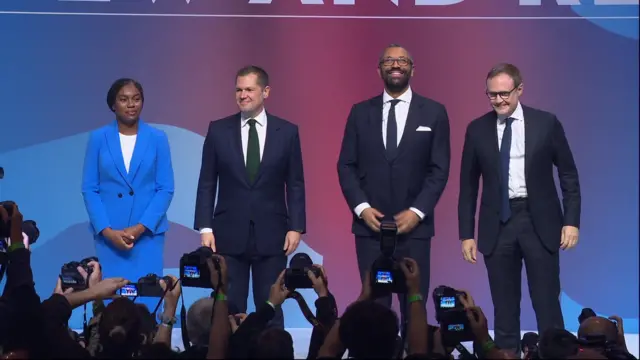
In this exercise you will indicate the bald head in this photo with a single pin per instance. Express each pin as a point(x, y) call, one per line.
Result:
point(199, 321)
point(598, 326)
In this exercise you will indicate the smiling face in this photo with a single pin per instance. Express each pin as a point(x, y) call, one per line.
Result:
point(504, 94)
point(250, 94)
point(396, 69)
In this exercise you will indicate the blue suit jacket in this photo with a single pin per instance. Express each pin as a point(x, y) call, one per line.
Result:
point(416, 177)
point(117, 199)
point(264, 202)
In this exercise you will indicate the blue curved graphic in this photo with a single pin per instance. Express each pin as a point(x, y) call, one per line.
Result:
point(58, 208)
point(624, 27)
point(571, 309)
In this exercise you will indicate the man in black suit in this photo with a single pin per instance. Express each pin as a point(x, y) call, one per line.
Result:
point(249, 159)
point(514, 149)
point(394, 165)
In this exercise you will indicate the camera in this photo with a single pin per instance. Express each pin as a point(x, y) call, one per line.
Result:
point(386, 275)
point(29, 227)
point(296, 276)
point(70, 277)
point(149, 286)
point(451, 315)
point(194, 271)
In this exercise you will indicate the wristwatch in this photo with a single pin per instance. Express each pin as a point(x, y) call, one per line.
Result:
point(166, 320)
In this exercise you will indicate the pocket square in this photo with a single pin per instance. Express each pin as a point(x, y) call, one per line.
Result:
point(423, 128)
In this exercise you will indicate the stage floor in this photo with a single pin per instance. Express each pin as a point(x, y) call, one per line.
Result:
point(301, 338)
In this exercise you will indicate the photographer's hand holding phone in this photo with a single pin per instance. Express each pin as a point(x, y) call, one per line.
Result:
point(320, 283)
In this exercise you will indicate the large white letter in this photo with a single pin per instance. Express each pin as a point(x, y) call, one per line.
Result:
point(438, 2)
point(559, 2)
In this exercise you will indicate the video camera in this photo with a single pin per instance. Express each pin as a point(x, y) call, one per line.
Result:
point(29, 227)
point(386, 275)
point(70, 277)
point(194, 271)
point(147, 286)
point(296, 276)
point(451, 315)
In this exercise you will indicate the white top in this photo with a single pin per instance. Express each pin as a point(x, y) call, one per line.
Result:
point(517, 183)
point(127, 144)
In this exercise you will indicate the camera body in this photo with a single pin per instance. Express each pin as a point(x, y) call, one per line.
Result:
point(194, 271)
point(149, 286)
point(296, 276)
point(70, 277)
point(386, 276)
point(29, 227)
point(451, 315)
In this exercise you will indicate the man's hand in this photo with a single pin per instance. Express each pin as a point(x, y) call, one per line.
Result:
point(133, 233)
point(58, 289)
point(291, 242)
point(15, 232)
point(372, 218)
point(236, 320)
point(173, 294)
point(107, 288)
point(278, 292)
point(320, 283)
point(569, 237)
point(221, 275)
point(117, 238)
point(96, 273)
point(406, 221)
point(208, 240)
point(412, 274)
point(469, 250)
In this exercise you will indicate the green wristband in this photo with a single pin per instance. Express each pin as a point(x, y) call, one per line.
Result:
point(16, 246)
point(221, 297)
point(414, 298)
point(488, 345)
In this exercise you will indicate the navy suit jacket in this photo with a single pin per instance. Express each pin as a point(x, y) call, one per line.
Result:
point(275, 202)
point(117, 199)
point(545, 146)
point(416, 177)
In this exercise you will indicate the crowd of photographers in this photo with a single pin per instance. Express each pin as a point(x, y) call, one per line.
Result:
point(34, 328)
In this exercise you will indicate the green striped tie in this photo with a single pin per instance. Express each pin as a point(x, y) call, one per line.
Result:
point(253, 151)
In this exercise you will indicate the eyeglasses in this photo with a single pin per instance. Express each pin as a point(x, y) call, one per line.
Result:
point(390, 61)
point(503, 94)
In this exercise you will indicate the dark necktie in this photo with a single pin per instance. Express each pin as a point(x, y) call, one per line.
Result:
point(392, 131)
point(253, 151)
point(505, 152)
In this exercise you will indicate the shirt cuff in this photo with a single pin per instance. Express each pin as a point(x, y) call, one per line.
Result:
point(360, 208)
point(206, 230)
point(418, 212)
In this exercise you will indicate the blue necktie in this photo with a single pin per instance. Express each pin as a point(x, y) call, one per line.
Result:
point(505, 150)
point(392, 130)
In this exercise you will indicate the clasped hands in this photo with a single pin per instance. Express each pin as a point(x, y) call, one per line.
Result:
point(406, 220)
point(124, 239)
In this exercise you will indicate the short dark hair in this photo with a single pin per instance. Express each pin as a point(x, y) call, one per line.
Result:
point(506, 68)
point(117, 86)
point(263, 77)
point(393, 46)
point(369, 329)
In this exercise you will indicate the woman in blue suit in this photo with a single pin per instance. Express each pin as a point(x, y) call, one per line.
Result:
point(127, 187)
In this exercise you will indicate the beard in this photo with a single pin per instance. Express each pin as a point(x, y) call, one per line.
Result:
point(396, 84)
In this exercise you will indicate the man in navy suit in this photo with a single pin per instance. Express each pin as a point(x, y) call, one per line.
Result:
point(394, 164)
point(514, 148)
point(254, 161)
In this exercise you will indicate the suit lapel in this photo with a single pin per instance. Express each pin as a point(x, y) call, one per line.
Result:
point(113, 143)
point(532, 133)
point(270, 144)
point(375, 120)
point(235, 140)
point(413, 119)
point(142, 143)
point(490, 132)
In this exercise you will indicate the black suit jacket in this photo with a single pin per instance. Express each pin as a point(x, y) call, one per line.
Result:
point(415, 178)
point(264, 202)
point(545, 146)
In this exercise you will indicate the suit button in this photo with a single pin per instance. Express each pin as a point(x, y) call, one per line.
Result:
point(131, 193)
point(119, 195)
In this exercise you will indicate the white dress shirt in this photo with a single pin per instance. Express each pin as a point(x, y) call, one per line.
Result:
point(127, 145)
point(517, 184)
point(402, 111)
point(261, 128)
